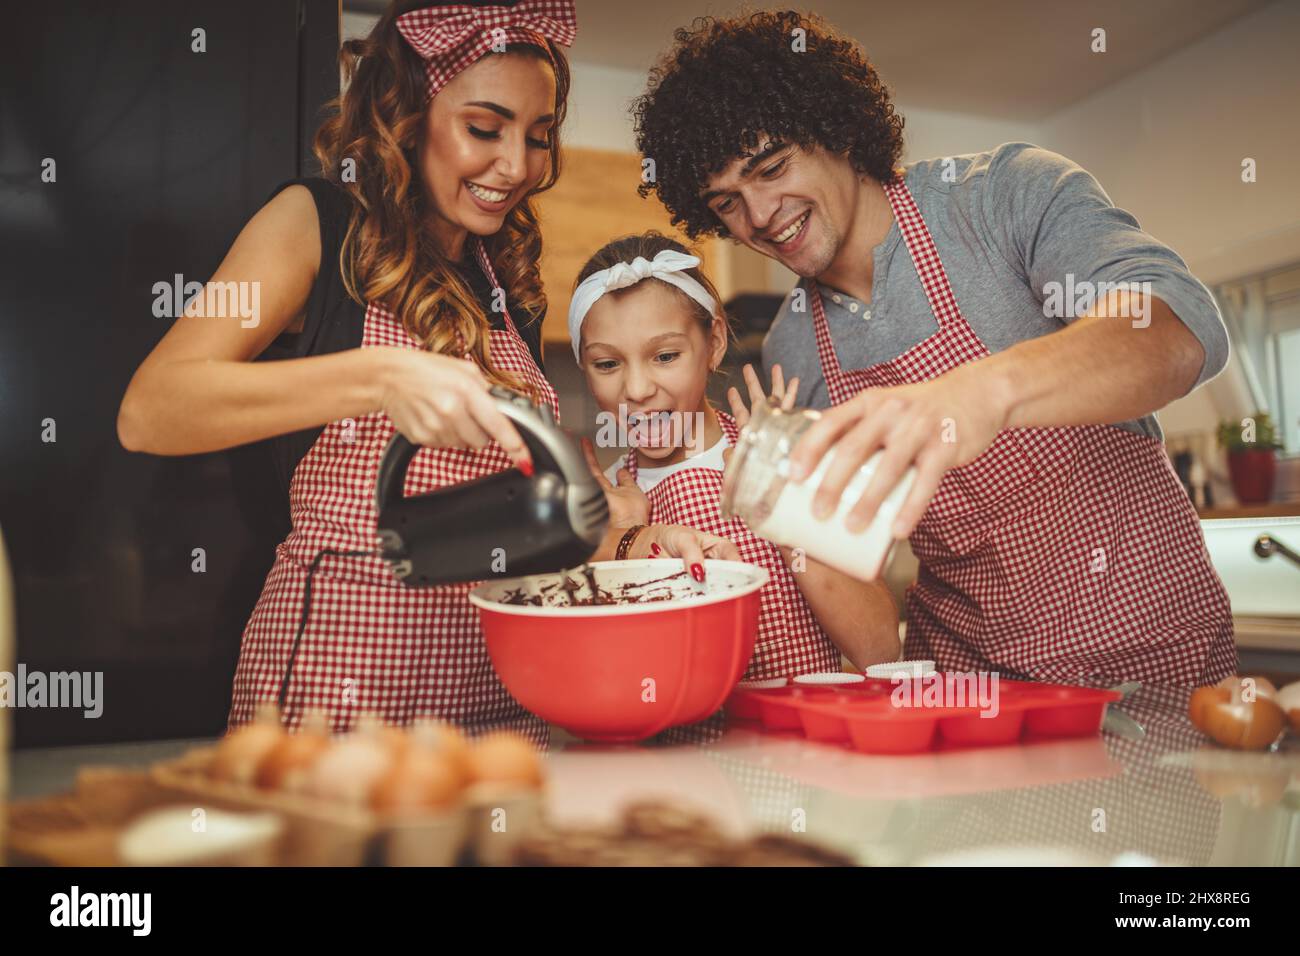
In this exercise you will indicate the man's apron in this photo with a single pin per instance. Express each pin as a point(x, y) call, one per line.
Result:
point(1063, 554)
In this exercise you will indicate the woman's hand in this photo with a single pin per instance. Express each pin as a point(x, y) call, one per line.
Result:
point(681, 541)
point(442, 402)
point(628, 504)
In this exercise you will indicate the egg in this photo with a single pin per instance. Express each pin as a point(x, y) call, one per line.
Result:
point(350, 767)
point(285, 766)
point(445, 739)
point(240, 752)
point(421, 779)
point(505, 758)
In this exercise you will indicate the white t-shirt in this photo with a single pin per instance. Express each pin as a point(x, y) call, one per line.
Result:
point(647, 478)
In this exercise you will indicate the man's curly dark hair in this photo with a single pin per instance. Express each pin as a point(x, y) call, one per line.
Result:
point(725, 82)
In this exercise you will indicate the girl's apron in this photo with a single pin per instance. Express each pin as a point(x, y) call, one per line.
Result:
point(790, 641)
point(1064, 554)
point(371, 644)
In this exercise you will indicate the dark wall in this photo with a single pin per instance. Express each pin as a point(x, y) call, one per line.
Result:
point(161, 155)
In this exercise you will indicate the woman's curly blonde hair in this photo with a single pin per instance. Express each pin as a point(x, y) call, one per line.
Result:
point(386, 256)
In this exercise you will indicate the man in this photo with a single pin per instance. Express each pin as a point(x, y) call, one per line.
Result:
point(991, 321)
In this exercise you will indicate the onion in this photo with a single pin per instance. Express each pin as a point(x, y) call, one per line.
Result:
point(1244, 725)
point(1202, 698)
point(1237, 686)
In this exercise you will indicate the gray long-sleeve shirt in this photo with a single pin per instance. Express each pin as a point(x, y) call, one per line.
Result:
point(1017, 229)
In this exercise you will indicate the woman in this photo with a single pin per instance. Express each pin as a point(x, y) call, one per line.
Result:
point(411, 280)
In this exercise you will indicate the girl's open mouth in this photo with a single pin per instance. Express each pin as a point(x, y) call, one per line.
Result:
point(652, 429)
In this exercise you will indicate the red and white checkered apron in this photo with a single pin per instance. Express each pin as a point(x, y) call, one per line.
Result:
point(790, 641)
point(1063, 554)
point(372, 644)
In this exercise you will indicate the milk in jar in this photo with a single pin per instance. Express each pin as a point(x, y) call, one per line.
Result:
point(758, 490)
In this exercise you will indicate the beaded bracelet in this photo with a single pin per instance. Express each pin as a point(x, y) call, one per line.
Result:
point(625, 543)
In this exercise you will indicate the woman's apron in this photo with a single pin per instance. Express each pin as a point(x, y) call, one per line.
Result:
point(371, 644)
point(790, 641)
point(1063, 554)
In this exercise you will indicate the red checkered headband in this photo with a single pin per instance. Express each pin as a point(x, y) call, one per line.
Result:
point(451, 38)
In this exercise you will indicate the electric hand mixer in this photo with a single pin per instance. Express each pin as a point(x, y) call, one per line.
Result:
point(503, 523)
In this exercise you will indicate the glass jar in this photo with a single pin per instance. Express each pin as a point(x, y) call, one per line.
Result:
point(758, 490)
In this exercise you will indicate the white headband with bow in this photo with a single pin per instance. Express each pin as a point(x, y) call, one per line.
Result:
point(667, 266)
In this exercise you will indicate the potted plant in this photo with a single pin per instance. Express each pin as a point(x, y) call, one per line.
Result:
point(1252, 447)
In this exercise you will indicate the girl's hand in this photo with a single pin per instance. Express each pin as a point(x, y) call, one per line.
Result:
point(680, 541)
point(628, 504)
point(442, 402)
point(782, 394)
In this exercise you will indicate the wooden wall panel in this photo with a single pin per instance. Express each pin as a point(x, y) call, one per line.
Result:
point(594, 201)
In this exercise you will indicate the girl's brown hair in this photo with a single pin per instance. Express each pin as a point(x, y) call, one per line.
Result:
point(386, 256)
point(648, 245)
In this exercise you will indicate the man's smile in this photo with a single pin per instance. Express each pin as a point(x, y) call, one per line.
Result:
point(789, 237)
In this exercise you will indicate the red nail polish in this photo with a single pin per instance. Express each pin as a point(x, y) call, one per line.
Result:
point(697, 572)
point(526, 466)
point(654, 549)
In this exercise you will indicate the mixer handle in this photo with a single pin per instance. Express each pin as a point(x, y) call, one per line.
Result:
point(400, 450)
point(392, 470)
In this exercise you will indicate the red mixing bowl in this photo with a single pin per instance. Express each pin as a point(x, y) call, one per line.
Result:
point(624, 672)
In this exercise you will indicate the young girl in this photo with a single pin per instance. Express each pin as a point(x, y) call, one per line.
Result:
point(648, 331)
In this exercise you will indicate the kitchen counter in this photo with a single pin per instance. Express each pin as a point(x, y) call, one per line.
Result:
point(1168, 796)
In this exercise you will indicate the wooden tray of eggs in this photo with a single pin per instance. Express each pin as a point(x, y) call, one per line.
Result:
point(425, 796)
point(419, 797)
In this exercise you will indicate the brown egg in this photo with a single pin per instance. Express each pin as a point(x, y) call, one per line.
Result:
point(285, 766)
point(445, 739)
point(242, 750)
point(505, 758)
point(420, 780)
point(349, 768)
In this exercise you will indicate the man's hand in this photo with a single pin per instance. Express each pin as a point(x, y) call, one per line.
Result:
point(932, 426)
point(628, 504)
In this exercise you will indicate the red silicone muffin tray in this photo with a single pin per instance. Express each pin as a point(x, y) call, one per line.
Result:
point(864, 716)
